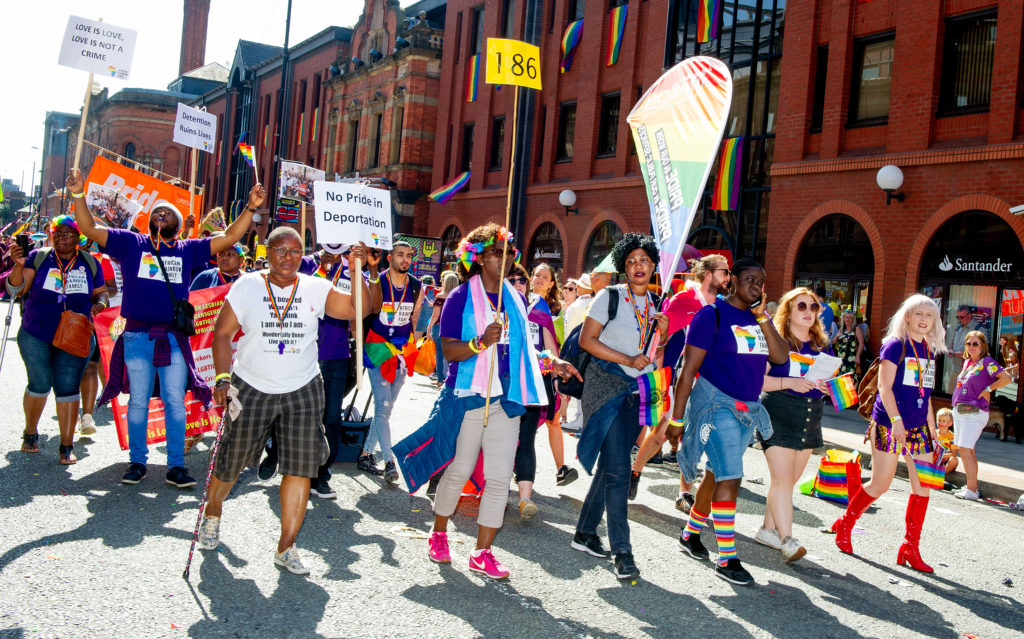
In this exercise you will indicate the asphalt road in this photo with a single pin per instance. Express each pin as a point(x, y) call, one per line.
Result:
point(83, 556)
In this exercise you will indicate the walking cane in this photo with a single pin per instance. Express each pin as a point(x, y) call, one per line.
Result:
point(7, 329)
point(206, 492)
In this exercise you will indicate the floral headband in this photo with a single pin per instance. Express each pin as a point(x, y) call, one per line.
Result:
point(469, 251)
point(69, 221)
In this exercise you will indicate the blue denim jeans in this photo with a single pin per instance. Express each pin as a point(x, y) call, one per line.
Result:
point(334, 372)
point(49, 367)
point(384, 396)
point(441, 366)
point(609, 489)
point(138, 361)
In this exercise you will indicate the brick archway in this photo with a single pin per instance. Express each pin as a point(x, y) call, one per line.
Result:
point(596, 221)
point(536, 223)
point(972, 202)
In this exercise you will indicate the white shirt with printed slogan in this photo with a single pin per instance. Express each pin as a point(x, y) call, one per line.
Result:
point(75, 282)
point(912, 367)
point(149, 267)
point(749, 340)
point(258, 359)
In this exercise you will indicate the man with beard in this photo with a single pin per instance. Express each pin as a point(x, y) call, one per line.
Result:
point(390, 351)
point(150, 344)
point(229, 268)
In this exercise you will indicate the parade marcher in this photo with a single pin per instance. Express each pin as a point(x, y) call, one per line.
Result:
point(902, 422)
point(956, 338)
point(449, 281)
point(849, 344)
point(153, 342)
point(228, 269)
point(828, 316)
point(794, 405)
point(277, 383)
point(603, 274)
point(729, 342)
point(610, 405)
point(429, 295)
point(390, 350)
point(977, 380)
point(57, 279)
point(94, 372)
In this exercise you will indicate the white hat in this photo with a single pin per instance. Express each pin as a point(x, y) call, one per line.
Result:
point(335, 248)
point(164, 204)
point(583, 281)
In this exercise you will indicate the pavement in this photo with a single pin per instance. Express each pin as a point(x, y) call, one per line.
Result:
point(83, 556)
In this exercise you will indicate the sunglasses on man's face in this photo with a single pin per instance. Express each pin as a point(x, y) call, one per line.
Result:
point(802, 306)
point(518, 280)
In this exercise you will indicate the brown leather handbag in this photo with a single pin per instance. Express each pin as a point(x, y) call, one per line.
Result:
point(74, 334)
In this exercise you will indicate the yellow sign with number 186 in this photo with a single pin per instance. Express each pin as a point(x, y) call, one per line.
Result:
point(512, 62)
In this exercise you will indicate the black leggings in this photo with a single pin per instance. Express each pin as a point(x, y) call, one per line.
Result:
point(526, 455)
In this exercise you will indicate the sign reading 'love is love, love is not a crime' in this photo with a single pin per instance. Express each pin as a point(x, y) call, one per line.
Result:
point(97, 47)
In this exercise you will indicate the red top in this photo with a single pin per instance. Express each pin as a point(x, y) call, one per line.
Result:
point(681, 308)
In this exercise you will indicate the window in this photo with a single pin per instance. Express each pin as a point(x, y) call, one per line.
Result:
point(466, 163)
point(300, 99)
point(497, 143)
point(609, 127)
point(375, 157)
point(566, 130)
point(508, 18)
point(967, 63)
point(458, 37)
point(600, 244)
point(476, 34)
point(316, 91)
point(129, 151)
point(614, 3)
point(576, 9)
point(353, 142)
point(872, 80)
point(820, 80)
point(396, 137)
point(542, 125)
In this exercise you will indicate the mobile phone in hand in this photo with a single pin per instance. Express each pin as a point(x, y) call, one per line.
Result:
point(24, 243)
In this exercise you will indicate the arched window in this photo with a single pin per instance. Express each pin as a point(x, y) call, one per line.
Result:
point(129, 152)
point(545, 247)
point(600, 244)
point(837, 255)
point(449, 241)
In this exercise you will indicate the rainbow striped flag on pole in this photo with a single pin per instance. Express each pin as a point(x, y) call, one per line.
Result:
point(570, 39)
point(446, 192)
point(709, 14)
point(726, 196)
point(931, 475)
point(247, 153)
point(655, 395)
point(616, 26)
point(843, 391)
point(472, 77)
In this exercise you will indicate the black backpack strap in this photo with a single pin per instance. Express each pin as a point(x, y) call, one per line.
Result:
point(167, 280)
point(613, 302)
point(90, 261)
point(40, 257)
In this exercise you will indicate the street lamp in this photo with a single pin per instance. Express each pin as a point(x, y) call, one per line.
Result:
point(890, 178)
point(567, 198)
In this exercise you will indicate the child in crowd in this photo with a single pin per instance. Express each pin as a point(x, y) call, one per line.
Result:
point(944, 420)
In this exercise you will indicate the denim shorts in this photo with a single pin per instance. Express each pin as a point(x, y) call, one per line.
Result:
point(725, 442)
point(48, 367)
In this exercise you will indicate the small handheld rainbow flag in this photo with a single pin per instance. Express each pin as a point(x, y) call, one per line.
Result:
point(472, 77)
point(709, 14)
point(446, 192)
point(726, 196)
point(616, 26)
point(843, 391)
point(570, 39)
point(655, 395)
point(931, 475)
point(247, 153)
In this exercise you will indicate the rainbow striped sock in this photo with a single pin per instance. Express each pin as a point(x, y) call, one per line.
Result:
point(696, 522)
point(723, 513)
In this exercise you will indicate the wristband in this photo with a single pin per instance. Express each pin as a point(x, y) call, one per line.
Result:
point(988, 389)
point(677, 423)
point(223, 376)
point(896, 419)
point(250, 209)
point(373, 280)
point(762, 319)
point(78, 196)
point(475, 345)
point(225, 382)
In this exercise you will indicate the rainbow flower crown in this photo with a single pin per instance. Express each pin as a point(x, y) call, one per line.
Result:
point(69, 221)
point(469, 251)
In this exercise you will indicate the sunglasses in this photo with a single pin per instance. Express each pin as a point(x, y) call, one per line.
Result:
point(802, 306)
point(571, 288)
point(974, 343)
point(518, 280)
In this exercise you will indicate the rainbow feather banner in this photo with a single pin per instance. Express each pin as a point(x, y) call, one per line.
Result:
point(655, 395)
point(446, 192)
point(726, 196)
point(316, 122)
point(616, 27)
point(472, 77)
point(931, 475)
point(709, 14)
point(570, 39)
point(843, 391)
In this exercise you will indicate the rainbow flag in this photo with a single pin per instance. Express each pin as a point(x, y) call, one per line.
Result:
point(726, 196)
point(316, 121)
point(655, 395)
point(709, 14)
point(843, 391)
point(616, 26)
point(570, 39)
point(931, 475)
point(266, 136)
point(446, 192)
point(247, 153)
point(472, 77)
point(302, 127)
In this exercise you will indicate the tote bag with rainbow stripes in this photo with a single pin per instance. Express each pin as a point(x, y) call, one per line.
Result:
point(838, 476)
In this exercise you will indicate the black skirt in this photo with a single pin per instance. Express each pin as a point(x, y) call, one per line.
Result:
point(796, 420)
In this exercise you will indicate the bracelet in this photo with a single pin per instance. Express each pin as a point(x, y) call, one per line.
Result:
point(475, 345)
point(896, 419)
point(988, 389)
point(373, 280)
point(223, 376)
point(762, 319)
point(250, 209)
point(78, 196)
point(677, 423)
point(220, 382)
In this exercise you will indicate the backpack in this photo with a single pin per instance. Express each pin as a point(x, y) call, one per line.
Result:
point(867, 390)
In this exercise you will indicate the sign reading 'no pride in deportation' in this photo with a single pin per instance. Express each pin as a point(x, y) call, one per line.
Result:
point(352, 213)
point(97, 47)
point(195, 128)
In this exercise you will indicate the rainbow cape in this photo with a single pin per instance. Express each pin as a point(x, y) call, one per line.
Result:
point(472, 77)
point(570, 39)
point(616, 26)
point(726, 196)
point(843, 391)
point(380, 353)
point(446, 192)
point(709, 14)
point(931, 475)
point(247, 153)
point(655, 395)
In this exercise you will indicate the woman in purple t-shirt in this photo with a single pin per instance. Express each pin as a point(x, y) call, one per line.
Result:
point(974, 385)
point(902, 421)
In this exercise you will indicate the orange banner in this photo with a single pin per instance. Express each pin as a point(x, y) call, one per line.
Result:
point(143, 189)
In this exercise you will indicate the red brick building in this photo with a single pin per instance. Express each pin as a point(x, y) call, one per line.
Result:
point(934, 89)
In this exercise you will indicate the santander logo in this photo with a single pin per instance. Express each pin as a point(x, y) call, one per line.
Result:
point(946, 265)
point(996, 266)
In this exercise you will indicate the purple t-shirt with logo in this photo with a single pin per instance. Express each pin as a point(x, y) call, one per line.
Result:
point(972, 380)
point(145, 294)
point(451, 326)
point(798, 366)
point(43, 306)
point(394, 322)
point(737, 352)
point(912, 386)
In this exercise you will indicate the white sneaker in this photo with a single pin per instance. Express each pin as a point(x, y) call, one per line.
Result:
point(768, 537)
point(967, 493)
point(575, 425)
point(290, 560)
point(87, 425)
point(209, 533)
point(527, 508)
point(791, 549)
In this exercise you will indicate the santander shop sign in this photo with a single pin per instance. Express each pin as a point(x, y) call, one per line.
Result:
point(964, 266)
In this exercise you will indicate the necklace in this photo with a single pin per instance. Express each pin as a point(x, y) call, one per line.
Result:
point(919, 376)
point(643, 319)
point(64, 270)
point(281, 315)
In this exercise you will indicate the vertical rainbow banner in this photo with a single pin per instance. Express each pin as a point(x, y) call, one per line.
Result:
point(472, 77)
point(570, 39)
point(266, 137)
point(726, 196)
point(655, 395)
point(616, 26)
point(709, 14)
point(316, 125)
point(302, 128)
point(446, 191)
point(677, 126)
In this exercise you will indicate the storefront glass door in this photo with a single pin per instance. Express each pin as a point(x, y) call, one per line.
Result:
point(1008, 343)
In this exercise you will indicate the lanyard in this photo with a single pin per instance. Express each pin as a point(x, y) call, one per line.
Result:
point(322, 272)
point(160, 240)
point(224, 280)
point(920, 371)
point(64, 270)
point(281, 315)
point(643, 320)
point(391, 295)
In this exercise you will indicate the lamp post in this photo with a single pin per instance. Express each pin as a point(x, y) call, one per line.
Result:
point(890, 178)
point(567, 198)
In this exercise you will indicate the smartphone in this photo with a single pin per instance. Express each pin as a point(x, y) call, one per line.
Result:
point(24, 243)
point(756, 303)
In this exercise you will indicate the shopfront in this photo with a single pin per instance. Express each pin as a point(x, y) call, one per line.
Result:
point(546, 248)
point(974, 269)
point(599, 245)
point(837, 254)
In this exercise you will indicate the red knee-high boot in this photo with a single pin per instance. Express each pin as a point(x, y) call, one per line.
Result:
point(844, 525)
point(909, 553)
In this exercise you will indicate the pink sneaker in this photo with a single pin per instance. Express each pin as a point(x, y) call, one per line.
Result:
point(438, 548)
point(488, 565)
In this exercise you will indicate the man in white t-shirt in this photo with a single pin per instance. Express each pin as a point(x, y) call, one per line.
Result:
point(278, 382)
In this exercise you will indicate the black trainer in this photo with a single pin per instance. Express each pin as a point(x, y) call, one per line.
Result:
point(368, 464)
point(268, 468)
point(566, 476)
point(685, 503)
point(179, 477)
point(734, 573)
point(625, 567)
point(590, 544)
point(658, 458)
point(692, 546)
point(390, 473)
point(322, 489)
point(634, 484)
point(432, 485)
point(135, 473)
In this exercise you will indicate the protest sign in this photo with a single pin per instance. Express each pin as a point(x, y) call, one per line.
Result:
point(97, 47)
point(195, 128)
point(351, 213)
point(296, 181)
point(426, 255)
point(110, 207)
